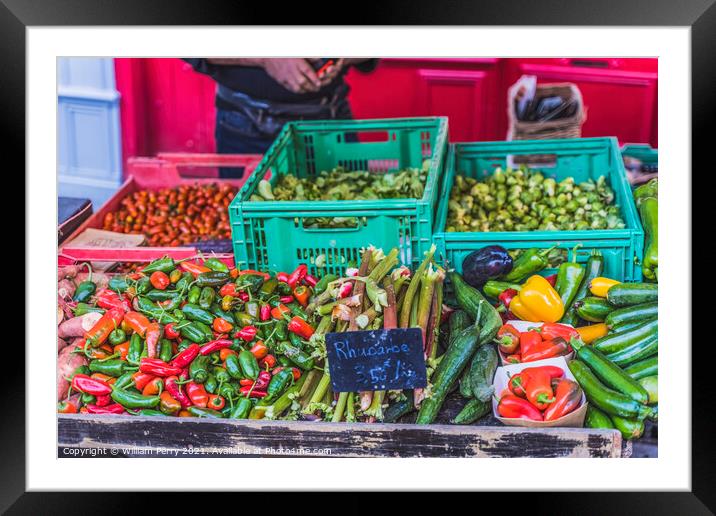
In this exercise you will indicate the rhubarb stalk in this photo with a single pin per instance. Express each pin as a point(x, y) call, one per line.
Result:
point(413, 287)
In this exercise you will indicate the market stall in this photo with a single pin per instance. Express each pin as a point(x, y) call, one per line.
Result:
point(491, 309)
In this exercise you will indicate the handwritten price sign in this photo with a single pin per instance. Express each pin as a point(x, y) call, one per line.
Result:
point(376, 360)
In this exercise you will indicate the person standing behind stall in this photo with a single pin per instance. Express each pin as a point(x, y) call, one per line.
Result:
point(255, 97)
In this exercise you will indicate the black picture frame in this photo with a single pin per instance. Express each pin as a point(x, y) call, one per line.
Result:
point(700, 15)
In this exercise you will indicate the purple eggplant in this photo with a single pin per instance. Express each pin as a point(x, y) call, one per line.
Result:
point(485, 264)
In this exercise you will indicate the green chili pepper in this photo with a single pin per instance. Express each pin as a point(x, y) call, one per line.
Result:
point(135, 349)
point(146, 306)
point(281, 332)
point(210, 384)
point(284, 289)
point(268, 287)
point(252, 308)
point(217, 311)
point(206, 298)
point(84, 308)
point(196, 332)
point(241, 409)
point(144, 285)
point(204, 412)
point(124, 381)
point(233, 367)
point(227, 390)
point(284, 361)
point(222, 375)
point(322, 284)
point(279, 382)
point(149, 412)
point(298, 310)
point(165, 350)
point(83, 369)
point(193, 295)
point(185, 343)
point(295, 340)
point(249, 364)
point(184, 281)
point(178, 314)
point(175, 275)
point(196, 313)
point(112, 367)
point(528, 263)
point(161, 295)
point(165, 264)
point(253, 281)
point(119, 283)
point(212, 279)
point(199, 369)
point(84, 290)
point(117, 336)
point(87, 399)
point(243, 319)
point(216, 265)
point(131, 400)
point(297, 357)
point(569, 277)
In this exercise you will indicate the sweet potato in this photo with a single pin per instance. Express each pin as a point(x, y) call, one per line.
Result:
point(67, 362)
point(60, 344)
point(77, 326)
point(69, 271)
point(66, 289)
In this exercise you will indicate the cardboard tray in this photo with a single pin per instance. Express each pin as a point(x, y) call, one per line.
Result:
point(574, 419)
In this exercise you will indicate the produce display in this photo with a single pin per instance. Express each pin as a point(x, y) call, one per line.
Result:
point(647, 202)
point(343, 185)
point(175, 216)
point(525, 200)
point(538, 343)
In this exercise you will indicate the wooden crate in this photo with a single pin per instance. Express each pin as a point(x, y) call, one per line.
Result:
point(134, 436)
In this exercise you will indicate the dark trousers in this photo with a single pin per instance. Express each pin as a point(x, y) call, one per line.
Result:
point(236, 133)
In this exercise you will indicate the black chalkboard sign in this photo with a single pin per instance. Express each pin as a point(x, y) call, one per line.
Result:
point(376, 360)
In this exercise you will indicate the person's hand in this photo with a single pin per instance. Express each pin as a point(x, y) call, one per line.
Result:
point(294, 74)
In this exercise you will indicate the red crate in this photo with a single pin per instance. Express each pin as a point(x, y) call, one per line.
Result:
point(169, 170)
point(72, 255)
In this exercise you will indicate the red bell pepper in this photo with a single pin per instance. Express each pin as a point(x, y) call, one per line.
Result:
point(153, 334)
point(550, 331)
point(187, 356)
point(546, 349)
point(300, 327)
point(538, 387)
point(114, 408)
point(297, 276)
point(508, 339)
point(528, 341)
point(158, 368)
point(516, 385)
point(506, 296)
point(215, 345)
point(552, 371)
point(568, 397)
point(197, 394)
point(83, 383)
point(176, 391)
point(104, 326)
point(511, 406)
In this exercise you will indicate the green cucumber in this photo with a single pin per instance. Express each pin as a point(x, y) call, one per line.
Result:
point(452, 363)
point(610, 401)
point(625, 294)
point(636, 352)
point(629, 427)
point(471, 412)
point(609, 373)
point(592, 269)
point(613, 342)
point(482, 370)
point(398, 410)
point(593, 309)
point(651, 385)
point(459, 320)
point(632, 313)
point(621, 328)
point(470, 300)
point(595, 418)
point(643, 368)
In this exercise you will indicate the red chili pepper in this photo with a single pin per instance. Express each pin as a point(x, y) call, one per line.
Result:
point(153, 387)
point(513, 359)
point(552, 371)
point(297, 276)
point(506, 296)
point(282, 277)
point(265, 312)
point(268, 360)
point(550, 331)
point(529, 340)
point(511, 406)
point(252, 272)
point(286, 299)
point(278, 311)
point(67, 407)
point(300, 327)
point(246, 381)
point(247, 333)
point(215, 345)
point(243, 296)
point(538, 387)
point(187, 356)
point(508, 339)
point(114, 408)
point(153, 334)
point(170, 332)
point(159, 280)
point(137, 322)
point(302, 293)
point(259, 350)
point(345, 290)
point(141, 380)
point(109, 299)
point(83, 383)
point(222, 325)
point(568, 397)
point(104, 326)
point(263, 380)
point(229, 289)
point(197, 394)
point(552, 279)
point(546, 349)
point(176, 391)
point(194, 268)
point(311, 281)
point(157, 367)
point(216, 402)
point(246, 391)
point(516, 385)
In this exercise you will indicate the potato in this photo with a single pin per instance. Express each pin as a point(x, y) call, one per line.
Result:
point(67, 362)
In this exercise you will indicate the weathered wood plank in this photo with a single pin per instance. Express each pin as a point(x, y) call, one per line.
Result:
point(206, 437)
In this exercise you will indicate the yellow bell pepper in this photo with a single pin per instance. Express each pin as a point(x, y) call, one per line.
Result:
point(537, 301)
point(599, 286)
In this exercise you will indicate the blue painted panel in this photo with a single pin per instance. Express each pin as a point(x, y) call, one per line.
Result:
point(89, 136)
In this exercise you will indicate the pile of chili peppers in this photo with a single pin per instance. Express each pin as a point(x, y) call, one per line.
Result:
point(539, 394)
point(546, 341)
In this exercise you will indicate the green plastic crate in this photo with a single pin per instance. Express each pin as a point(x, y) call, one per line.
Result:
point(644, 152)
point(271, 235)
point(581, 158)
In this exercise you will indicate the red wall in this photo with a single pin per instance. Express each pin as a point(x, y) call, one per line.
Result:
point(167, 107)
